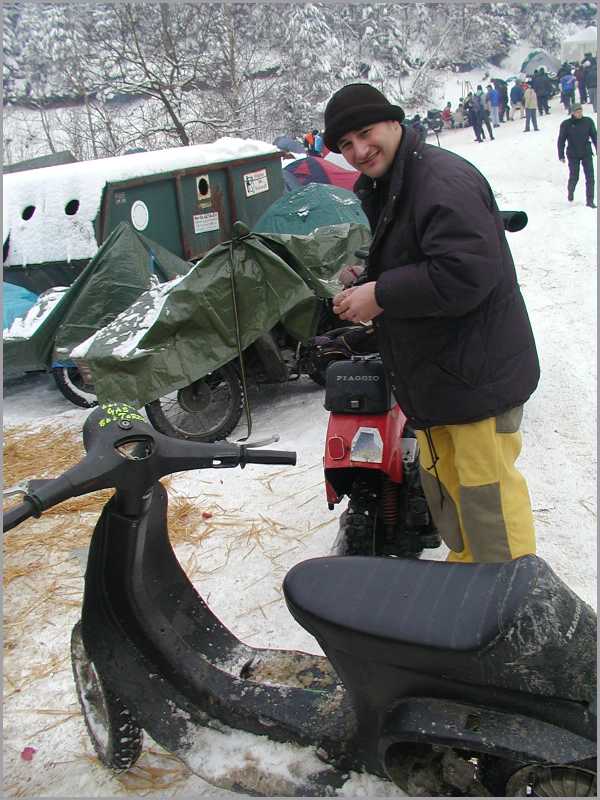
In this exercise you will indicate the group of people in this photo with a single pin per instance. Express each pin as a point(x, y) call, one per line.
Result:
point(581, 76)
point(313, 142)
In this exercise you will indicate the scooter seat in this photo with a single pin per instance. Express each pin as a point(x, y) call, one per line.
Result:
point(427, 603)
point(512, 624)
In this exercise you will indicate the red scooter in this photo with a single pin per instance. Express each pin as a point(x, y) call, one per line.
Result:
point(371, 454)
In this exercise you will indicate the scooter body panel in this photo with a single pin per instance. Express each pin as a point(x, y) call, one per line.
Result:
point(384, 431)
point(482, 729)
point(157, 644)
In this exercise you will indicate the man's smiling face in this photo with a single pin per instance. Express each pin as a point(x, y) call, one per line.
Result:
point(372, 149)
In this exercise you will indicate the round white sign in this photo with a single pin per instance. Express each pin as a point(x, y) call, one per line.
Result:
point(139, 215)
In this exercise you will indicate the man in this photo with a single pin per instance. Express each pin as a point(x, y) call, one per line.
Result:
point(516, 101)
point(451, 324)
point(578, 132)
point(591, 78)
point(530, 102)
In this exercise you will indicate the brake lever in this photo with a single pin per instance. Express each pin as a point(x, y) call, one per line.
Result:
point(262, 442)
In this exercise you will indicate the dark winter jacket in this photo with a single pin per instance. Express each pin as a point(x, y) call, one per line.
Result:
point(516, 94)
point(591, 75)
point(578, 134)
point(542, 85)
point(454, 336)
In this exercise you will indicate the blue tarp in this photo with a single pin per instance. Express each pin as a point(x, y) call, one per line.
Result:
point(16, 302)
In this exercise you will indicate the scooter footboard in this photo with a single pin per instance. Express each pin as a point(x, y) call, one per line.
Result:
point(436, 721)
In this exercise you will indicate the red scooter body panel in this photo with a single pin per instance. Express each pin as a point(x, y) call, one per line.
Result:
point(342, 429)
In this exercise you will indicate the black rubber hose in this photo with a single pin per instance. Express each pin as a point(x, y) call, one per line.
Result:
point(14, 517)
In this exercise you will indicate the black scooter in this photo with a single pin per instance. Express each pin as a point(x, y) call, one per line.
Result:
point(448, 679)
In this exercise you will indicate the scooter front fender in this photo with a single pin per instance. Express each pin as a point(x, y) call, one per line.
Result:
point(437, 721)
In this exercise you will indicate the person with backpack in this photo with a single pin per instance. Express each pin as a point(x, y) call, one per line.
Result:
point(578, 133)
point(567, 91)
point(451, 324)
point(516, 101)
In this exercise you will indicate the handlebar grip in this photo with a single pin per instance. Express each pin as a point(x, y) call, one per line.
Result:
point(252, 456)
point(17, 515)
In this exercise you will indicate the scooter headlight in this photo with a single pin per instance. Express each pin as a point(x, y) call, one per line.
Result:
point(367, 445)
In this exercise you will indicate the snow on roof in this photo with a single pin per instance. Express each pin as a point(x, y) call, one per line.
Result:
point(51, 234)
point(583, 35)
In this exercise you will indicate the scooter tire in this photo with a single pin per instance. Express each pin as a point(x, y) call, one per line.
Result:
point(68, 380)
point(178, 417)
point(114, 733)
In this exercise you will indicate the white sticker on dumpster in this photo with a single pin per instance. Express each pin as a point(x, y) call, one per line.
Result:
point(206, 222)
point(256, 182)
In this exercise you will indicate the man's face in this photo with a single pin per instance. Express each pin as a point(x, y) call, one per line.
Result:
point(578, 114)
point(372, 149)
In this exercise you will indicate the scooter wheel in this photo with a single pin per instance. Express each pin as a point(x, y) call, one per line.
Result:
point(115, 735)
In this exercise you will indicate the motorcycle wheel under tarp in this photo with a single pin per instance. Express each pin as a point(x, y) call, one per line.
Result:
point(203, 411)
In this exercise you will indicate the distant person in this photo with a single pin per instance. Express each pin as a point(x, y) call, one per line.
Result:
point(492, 98)
point(579, 133)
point(591, 78)
point(580, 78)
point(458, 117)
point(483, 113)
point(567, 91)
point(530, 102)
point(447, 116)
point(564, 69)
point(318, 144)
point(474, 116)
point(504, 103)
point(542, 86)
point(309, 141)
point(516, 101)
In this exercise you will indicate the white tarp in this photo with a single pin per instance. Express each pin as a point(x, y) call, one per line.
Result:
point(574, 47)
point(52, 235)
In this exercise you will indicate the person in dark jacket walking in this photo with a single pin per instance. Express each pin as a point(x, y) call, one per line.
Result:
point(578, 133)
point(543, 89)
point(591, 78)
point(441, 290)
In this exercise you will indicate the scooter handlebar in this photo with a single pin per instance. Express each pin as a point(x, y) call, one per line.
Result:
point(17, 515)
point(251, 455)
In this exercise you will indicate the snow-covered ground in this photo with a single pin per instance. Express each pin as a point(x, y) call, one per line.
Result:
point(240, 566)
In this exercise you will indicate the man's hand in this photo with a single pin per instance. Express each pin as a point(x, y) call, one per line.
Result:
point(562, 159)
point(357, 304)
point(350, 274)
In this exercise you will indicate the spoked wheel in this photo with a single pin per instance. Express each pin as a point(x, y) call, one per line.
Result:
point(115, 735)
point(71, 384)
point(552, 781)
point(508, 779)
point(204, 411)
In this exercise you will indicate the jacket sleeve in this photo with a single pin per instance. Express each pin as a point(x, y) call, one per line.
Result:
point(593, 133)
point(459, 236)
point(562, 138)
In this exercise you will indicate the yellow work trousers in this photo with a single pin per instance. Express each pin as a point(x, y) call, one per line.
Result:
point(478, 499)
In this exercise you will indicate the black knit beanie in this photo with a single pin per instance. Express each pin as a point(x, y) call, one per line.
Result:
point(354, 106)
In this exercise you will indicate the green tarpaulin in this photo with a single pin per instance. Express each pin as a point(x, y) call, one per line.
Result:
point(125, 266)
point(177, 333)
point(309, 207)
